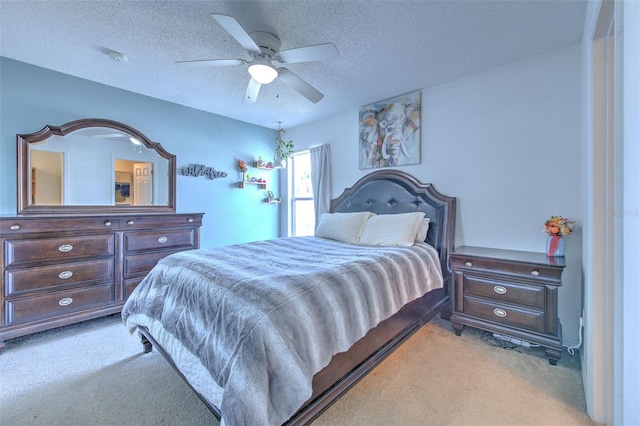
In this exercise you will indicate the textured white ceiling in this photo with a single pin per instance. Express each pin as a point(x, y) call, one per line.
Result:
point(387, 48)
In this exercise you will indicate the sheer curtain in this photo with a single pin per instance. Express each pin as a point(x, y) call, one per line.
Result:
point(321, 178)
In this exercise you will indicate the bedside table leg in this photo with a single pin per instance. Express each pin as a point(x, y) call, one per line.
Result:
point(445, 314)
point(457, 328)
point(553, 355)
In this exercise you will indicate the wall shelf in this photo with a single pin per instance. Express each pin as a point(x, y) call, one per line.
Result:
point(255, 166)
point(261, 185)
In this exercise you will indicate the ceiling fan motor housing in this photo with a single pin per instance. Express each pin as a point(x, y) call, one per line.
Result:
point(268, 43)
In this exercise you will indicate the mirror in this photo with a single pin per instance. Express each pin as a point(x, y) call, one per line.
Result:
point(93, 166)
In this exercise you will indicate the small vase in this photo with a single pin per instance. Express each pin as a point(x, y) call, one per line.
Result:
point(555, 246)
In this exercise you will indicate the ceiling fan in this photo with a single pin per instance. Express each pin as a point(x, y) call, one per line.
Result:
point(264, 49)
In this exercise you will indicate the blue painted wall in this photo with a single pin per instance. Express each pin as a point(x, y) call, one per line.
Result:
point(32, 97)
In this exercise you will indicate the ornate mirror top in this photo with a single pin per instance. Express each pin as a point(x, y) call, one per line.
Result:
point(93, 166)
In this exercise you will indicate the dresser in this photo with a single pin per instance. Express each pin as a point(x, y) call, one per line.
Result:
point(59, 270)
point(511, 293)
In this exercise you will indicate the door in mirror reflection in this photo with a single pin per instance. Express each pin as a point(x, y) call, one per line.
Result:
point(134, 183)
point(143, 183)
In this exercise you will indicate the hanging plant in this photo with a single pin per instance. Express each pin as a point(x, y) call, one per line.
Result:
point(284, 149)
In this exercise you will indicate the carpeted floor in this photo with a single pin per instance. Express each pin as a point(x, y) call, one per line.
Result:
point(95, 373)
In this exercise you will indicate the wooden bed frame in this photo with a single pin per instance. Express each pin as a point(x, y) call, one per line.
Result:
point(381, 192)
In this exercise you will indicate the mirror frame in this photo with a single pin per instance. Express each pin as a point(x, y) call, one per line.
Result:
point(24, 171)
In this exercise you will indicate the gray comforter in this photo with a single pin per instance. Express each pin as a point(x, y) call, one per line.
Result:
point(264, 317)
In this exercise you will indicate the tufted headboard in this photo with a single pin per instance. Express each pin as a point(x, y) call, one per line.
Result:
point(393, 191)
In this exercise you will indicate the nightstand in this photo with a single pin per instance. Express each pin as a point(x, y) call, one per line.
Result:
point(512, 293)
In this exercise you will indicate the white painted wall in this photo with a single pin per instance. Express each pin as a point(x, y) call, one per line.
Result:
point(628, 372)
point(506, 143)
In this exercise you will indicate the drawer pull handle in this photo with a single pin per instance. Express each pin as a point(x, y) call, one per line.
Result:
point(162, 240)
point(535, 272)
point(130, 222)
point(65, 301)
point(499, 289)
point(190, 220)
point(65, 275)
point(107, 223)
point(469, 264)
point(65, 248)
point(14, 227)
point(500, 312)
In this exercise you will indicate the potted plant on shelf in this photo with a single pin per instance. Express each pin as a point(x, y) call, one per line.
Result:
point(271, 198)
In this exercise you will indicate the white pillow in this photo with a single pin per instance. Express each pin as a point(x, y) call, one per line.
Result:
point(345, 227)
point(421, 235)
point(391, 229)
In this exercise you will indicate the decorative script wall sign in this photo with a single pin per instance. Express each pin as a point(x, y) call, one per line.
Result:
point(201, 170)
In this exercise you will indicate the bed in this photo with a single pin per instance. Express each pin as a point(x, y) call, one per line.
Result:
point(333, 325)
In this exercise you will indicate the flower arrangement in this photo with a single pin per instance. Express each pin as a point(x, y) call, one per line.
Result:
point(557, 226)
point(241, 165)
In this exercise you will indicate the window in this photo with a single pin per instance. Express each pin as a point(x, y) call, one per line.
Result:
point(303, 221)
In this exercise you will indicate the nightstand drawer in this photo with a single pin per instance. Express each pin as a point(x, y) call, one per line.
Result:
point(502, 291)
point(507, 268)
point(504, 314)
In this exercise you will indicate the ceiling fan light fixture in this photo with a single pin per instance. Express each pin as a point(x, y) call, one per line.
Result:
point(263, 72)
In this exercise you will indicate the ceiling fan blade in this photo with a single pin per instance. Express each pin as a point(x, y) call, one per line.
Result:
point(318, 52)
point(232, 26)
point(305, 89)
point(210, 63)
point(251, 94)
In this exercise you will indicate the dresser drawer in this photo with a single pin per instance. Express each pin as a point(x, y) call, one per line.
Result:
point(159, 239)
point(47, 249)
point(32, 308)
point(45, 277)
point(130, 285)
point(141, 264)
point(529, 319)
point(501, 291)
point(507, 268)
point(161, 222)
point(22, 225)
